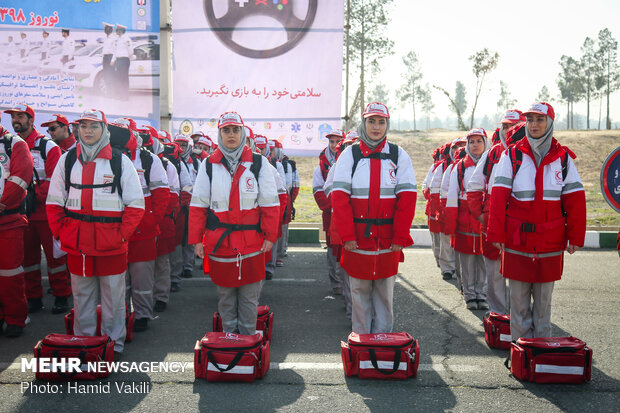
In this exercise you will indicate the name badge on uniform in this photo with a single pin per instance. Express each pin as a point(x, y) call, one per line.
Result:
point(141, 176)
point(107, 179)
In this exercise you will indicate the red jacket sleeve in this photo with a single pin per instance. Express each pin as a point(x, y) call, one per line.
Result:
point(14, 193)
point(269, 222)
point(403, 216)
point(131, 219)
point(322, 201)
point(55, 216)
point(294, 193)
point(343, 215)
point(197, 224)
point(575, 207)
point(451, 215)
point(496, 229)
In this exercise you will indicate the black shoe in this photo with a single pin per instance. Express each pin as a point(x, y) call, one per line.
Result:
point(61, 305)
point(174, 287)
point(187, 274)
point(1, 327)
point(268, 275)
point(34, 305)
point(447, 275)
point(140, 324)
point(159, 306)
point(13, 331)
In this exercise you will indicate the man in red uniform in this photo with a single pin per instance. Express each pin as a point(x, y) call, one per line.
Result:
point(16, 163)
point(59, 131)
point(45, 155)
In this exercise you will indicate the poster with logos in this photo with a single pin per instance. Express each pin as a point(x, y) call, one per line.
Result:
point(58, 57)
point(278, 63)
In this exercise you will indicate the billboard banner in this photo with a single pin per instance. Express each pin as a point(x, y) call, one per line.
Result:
point(278, 63)
point(57, 58)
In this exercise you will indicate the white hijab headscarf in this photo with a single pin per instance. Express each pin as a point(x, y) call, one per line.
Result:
point(486, 146)
point(88, 153)
point(232, 156)
point(540, 146)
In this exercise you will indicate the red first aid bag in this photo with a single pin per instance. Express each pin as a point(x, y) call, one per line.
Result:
point(550, 360)
point(393, 356)
point(231, 357)
point(264, 322)
point(129, 320)
point(86, 349)
point(497, 330)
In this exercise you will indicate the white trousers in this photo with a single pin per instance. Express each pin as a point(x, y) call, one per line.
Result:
point(333, 270)
point(140, 281)
point(371, 305)
point(238, 308)
point(530, 309)
point(283, 245)
point(87, 293)
point(161, 287)
point(436, 245)
point(496, 287)
point(447, 257)
point(473, 277)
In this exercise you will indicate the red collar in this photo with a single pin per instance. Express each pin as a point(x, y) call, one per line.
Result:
point(67, 143)
point(34, 135)
point(555, 150)
point(367, 151)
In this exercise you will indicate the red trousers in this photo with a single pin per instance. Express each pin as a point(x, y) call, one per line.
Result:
point(38, 233)
point(13, 305)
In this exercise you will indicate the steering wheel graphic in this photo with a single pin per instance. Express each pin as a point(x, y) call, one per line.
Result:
point(296, 28)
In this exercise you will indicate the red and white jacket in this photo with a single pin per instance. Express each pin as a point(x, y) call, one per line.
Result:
point(378, 190)
point(237, 200)
point(167, 224)
point(17, 177)
point(79, 237)
point(433, 223)
point(526, 213)
point(459, 221)
point(44, 168)
point(155, 197)
point(318, 183)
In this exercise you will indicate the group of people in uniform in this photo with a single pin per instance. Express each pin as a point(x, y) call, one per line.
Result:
point(121, 211)
point(507, 210)
point(114, 207)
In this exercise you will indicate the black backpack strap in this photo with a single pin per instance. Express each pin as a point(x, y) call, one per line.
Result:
point(393, 152)
point(42, 147)
point(565, 165)
point(116, 163)
point(195, 162)
point(147, 161)
point(486, 170)
point(516, 156)
point(164, 162)
point(285, 165)
point(209, 170)
point(257, 163)
point(357, 155)
point(70, 159)
point(460, 174)
point(8, 144)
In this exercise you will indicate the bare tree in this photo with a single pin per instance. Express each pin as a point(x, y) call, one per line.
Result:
point(410, 91)
point(458, 104)
point(484, 62)
point(608, 48)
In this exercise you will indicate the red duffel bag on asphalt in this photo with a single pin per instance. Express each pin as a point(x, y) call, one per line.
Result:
point(550, 360)
point(264, 322)
point(394, 356)
point(231, 357)
point(129, 320)
point(87, 349)
point(497, 330)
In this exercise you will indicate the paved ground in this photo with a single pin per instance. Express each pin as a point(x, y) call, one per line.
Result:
point(458, 372)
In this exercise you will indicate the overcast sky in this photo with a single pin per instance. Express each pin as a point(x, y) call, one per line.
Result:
point(530, 37)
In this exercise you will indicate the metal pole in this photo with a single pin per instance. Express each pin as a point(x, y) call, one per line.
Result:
point(346, 92)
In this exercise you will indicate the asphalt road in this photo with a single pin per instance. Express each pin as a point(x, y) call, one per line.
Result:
point(458, 372)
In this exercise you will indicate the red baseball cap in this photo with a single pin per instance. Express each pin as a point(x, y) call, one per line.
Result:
point(476, 132)
point(57, 118)
point(230, 119)
point(352, 135)
point(512, 116)
point(164, 136)
point(205, 141)
point(336, 132)
point(271, 143)
point(179, 137)
point(541, 108)
point(376, 109)
point(261, 141)
point(21, 108)
point(94, 115)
